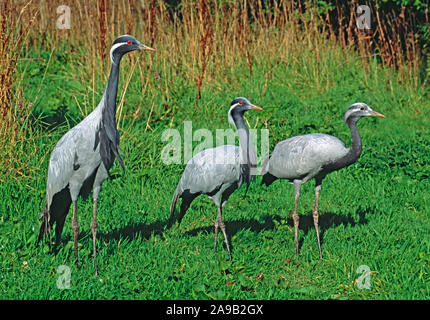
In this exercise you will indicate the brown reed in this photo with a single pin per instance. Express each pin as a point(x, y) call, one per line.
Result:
point(202, 41)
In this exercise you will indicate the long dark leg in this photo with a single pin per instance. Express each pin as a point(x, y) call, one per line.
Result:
point(297, 186)
point(220, 224)
point(75, 228)
point(315, 214)
point(94, 231)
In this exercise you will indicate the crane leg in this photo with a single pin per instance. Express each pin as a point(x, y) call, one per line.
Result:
point(297, 186)
point(94, 232)
point(315, 215)
point(216, 233)
point(75, 228)
point(220, 224)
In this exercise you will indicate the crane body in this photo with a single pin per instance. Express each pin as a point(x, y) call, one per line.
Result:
point(313, 156)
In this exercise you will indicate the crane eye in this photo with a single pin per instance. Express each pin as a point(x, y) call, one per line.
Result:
point(362, 108)
point(128, 42)
point(240, 102)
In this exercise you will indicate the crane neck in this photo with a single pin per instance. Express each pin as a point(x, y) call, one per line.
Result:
point(247, 149)
point(356, 146)
point(354, 151)
point(107, 133)
point(111, 90)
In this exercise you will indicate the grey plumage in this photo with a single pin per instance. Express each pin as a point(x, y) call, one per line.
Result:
point(313, 156)
point(218, 172)
point(81, 160)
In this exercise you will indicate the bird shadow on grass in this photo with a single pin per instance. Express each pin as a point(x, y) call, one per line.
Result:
point(268, 222)
point(136, 230)
point(130, 231)
point(232, 227)
point(326, 220)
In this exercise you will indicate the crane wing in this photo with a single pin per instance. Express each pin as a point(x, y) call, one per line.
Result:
point(73, 151)
point(304, 155)
point(209, 169)
point(61, 164)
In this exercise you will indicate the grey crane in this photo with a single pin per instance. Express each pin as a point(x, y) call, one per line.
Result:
point(83, 156)
point(301, 158)
point(218, 172)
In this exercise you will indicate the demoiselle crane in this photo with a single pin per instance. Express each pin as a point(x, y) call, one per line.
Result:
point(83, 156)
point(313, 156)
point(218, 172)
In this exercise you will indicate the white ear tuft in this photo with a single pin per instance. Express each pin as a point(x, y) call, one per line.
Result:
point(230, 118)
point(116, 45)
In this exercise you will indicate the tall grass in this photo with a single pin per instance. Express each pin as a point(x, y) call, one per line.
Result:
point(200, 44)
point(15, 133)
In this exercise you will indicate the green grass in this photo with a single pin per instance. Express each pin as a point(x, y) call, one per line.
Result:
point(373, 213)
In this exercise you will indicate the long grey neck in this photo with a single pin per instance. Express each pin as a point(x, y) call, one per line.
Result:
point(107, 133)
point(112, 90)
point(354, 151)
point(356, 146)
point(247, 149)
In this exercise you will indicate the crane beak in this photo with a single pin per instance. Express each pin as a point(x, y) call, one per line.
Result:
point(377, 114)
point(256, 108)
point(143, 47)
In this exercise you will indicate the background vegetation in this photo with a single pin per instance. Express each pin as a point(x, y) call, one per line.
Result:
point(304, 63)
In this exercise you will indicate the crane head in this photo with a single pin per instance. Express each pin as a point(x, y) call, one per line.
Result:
point(124, 44)
point(239, 106)
point(360, 109)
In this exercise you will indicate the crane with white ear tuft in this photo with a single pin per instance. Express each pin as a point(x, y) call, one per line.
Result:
point(218, 172)
point(81, 160)
point(313, 156)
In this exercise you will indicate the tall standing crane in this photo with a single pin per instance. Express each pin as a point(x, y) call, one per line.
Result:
point(218, 172)
point(313, 156)
point(83, 156)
